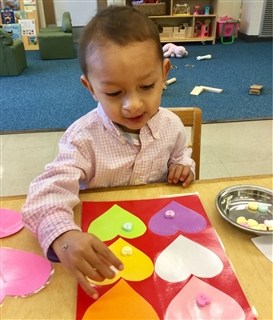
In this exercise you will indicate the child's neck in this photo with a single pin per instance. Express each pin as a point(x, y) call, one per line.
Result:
point(125, 129)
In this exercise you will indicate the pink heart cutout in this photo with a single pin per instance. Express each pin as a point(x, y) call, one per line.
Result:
point(10, 222)
point(220, 307)
point(22, 273)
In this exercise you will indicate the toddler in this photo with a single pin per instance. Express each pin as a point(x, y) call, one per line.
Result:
point(127, 140)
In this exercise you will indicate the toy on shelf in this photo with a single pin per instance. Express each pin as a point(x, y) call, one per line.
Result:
point(182, 9)
point(207, 10)
point(196, 10)
point(205, 28)
point(202, 29)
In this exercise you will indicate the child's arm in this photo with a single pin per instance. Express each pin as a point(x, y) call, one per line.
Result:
point(48, 213)
point(181, 167)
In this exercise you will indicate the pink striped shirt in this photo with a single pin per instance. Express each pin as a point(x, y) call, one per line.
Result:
point(94, 153)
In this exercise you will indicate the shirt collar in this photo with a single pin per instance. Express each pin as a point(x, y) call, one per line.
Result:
point(152, 126)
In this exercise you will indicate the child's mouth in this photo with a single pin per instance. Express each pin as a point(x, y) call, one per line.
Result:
point(136, 119)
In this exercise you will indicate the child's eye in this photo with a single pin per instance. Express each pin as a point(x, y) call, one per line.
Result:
point(150, 86)
point(113, 94)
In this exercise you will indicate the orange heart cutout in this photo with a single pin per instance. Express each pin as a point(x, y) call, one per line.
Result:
point(121, 302)
point(137, 266)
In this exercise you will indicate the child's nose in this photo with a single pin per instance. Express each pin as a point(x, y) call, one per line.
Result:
point(132, 104)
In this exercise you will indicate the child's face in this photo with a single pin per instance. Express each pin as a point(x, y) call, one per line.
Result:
point(127, 81)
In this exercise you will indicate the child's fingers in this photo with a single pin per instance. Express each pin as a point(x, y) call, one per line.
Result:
point(188, 179)
point(104, 260)
point(174, 173)
point(184, 173)
point(87, 286)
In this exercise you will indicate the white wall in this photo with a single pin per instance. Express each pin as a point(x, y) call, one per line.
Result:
point(81, 11)
point(252, 13)
point(231, 8)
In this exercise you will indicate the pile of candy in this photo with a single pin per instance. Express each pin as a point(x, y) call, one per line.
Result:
point(255, 207)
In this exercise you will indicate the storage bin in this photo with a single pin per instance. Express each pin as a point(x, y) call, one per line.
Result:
point(227, 27)
point(151, 9)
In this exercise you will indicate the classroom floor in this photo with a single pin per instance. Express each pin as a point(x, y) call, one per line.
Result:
point(227, 150)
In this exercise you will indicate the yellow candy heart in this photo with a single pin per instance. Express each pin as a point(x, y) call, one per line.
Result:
point(252, 222)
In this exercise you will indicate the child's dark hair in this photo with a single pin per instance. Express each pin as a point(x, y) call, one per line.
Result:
point(120, 24)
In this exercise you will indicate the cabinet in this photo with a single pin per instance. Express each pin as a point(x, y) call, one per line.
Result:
point(186, 22)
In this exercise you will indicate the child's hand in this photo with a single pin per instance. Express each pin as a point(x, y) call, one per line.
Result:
point(86, 256)
point(178, 172)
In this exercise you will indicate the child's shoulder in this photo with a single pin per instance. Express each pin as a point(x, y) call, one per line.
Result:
point(87, 122)
point(169, 116)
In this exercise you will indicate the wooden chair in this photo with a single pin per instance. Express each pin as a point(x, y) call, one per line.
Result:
point(192, 117)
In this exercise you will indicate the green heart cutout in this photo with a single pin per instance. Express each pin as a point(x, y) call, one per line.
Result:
point(113, 222)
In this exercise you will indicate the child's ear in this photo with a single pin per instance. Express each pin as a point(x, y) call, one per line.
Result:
point(85, 82)
point(166, 68)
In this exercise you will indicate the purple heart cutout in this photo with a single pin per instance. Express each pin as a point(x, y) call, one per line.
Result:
point(165, 223)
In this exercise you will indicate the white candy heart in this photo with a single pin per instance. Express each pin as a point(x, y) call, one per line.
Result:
point(268, 223)
point(184, 257)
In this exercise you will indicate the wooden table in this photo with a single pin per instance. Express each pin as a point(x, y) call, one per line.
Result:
point(58, 299)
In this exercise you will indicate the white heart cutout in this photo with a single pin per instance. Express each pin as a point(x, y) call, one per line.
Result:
point(184, 257)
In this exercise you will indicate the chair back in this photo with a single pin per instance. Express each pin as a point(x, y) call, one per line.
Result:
point(192, 117)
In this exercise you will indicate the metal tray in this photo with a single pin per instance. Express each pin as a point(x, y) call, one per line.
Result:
point(238, 201)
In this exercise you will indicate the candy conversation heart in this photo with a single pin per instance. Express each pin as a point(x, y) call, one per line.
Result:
point(215, 304)
point(22, 273)
point(10, 222)
point(176, 217)
point(184, 257)
point(137, 265)
point(117, 221)
point(121, 302)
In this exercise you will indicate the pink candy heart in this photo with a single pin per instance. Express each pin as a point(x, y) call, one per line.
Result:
point(202, 300)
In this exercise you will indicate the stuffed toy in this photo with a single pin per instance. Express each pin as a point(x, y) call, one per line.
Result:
point(171, 50)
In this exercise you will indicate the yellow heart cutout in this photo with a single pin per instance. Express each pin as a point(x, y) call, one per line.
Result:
point(137, 266)
point(121, 302)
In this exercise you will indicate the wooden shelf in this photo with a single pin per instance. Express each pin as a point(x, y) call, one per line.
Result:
point(192, 39)
point(199, 27)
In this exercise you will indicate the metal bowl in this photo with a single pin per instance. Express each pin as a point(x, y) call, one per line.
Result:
point(237, 201)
